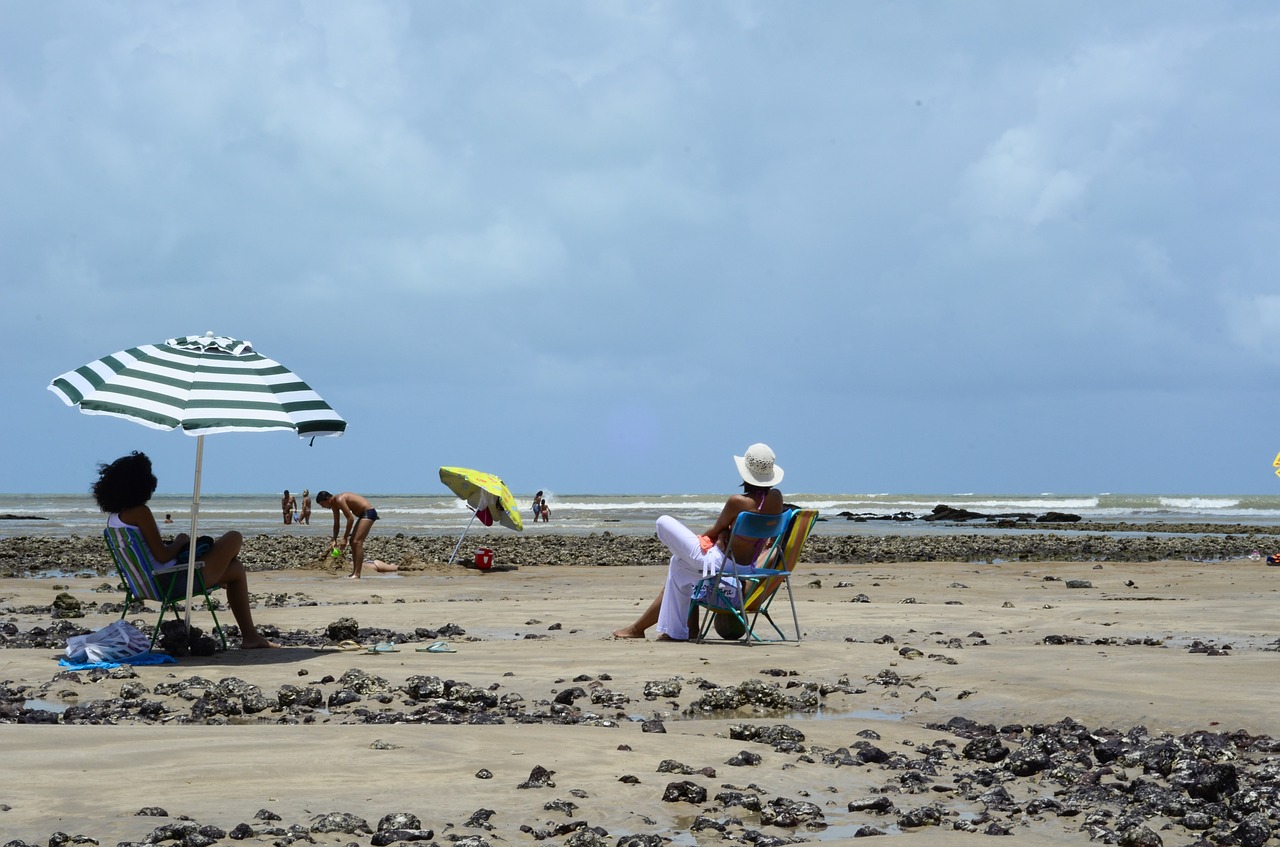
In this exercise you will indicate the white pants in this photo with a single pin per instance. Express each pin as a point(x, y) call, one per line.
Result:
point(688, 565)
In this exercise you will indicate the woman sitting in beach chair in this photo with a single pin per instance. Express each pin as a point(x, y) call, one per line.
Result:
point(695, 556)
point(123, 489)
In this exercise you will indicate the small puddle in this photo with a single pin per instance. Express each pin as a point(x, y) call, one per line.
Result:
point(38, 705)
point(853, 714)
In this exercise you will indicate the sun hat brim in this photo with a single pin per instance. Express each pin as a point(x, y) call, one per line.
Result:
point(751, 476)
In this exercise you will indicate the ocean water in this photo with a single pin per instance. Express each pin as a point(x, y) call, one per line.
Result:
point(63, 515)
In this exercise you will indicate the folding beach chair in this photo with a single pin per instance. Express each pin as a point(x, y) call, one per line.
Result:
point(723, 592)
point(760, 585)
point(165, 585)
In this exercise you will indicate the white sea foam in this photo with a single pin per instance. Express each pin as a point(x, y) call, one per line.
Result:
point(443, 514)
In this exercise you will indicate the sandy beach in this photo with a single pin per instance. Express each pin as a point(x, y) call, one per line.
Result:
point(890, 716)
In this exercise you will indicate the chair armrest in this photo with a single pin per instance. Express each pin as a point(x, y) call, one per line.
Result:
point(174, 568)
point(750, 573)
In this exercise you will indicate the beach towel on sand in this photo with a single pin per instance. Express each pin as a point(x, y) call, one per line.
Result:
point(140, 659)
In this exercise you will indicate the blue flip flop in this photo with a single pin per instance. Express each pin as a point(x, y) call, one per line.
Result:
point(437, 647)
point(385, 647)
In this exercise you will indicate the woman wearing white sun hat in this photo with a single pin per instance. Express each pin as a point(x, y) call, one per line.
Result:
point(695, 556)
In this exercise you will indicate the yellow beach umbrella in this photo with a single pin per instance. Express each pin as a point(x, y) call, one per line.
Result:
point(487, 495)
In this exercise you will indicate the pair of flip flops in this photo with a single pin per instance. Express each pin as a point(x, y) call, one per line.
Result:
point(437, 647)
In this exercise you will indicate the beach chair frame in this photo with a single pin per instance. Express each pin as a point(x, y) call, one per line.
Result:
point(760, 585)
point(134, 564)
point(713, 595)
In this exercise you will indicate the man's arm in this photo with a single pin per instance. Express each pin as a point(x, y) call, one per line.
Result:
point(351, 522)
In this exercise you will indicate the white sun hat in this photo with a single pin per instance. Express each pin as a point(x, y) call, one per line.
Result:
point(757, 466)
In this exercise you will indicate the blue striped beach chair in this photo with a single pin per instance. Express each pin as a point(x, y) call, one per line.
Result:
point(143, 580)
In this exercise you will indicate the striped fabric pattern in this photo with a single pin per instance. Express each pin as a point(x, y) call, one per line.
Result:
point(135, 566)
point(797, 535)
point(133, 560)
point(204, 384)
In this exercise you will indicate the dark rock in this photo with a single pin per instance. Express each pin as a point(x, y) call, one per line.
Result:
point(923, 816)
point(985, 750)
point(343, 629)
point(394, 836)
point(539, 777)
point(340, 822)
point(684, 791)
point(1139, 836)
point(640, 841)
point(399, 820)
point(880, 805)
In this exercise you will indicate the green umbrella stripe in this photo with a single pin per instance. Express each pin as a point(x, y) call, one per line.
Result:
point(143, 415)
point(132, 396)
point(91, 375)
point(328, 425)
point(69, 391)
point(202, 357)
point(158, 365)
point(249, 404)
point(190, 361)
point(185, 384)
point(150, 404)
point(274, 389)
point(229, 422)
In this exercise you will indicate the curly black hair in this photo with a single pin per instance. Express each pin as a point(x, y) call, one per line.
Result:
point(125, 483)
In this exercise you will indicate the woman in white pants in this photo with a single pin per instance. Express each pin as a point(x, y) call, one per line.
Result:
point(695, 556)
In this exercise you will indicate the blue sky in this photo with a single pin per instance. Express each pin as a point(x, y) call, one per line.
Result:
point(600, 247)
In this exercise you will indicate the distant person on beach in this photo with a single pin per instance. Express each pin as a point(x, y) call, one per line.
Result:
point(168, 518)
point(305, 517)
point(287, 505)
point(546, 511)
point(695, 556)
point(123, 489)
point(360, 516)
point(537, 506)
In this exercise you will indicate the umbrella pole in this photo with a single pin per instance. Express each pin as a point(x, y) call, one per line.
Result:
point(460, 537)
point(191, 543)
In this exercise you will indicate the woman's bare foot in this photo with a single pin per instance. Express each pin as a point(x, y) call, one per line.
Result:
point(627, 632)
point(256, 643)
point(665, 637)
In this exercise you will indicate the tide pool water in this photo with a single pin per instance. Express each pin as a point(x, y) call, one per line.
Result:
point(416, 514)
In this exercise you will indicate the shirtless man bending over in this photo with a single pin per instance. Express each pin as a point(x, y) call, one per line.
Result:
point(360, 517)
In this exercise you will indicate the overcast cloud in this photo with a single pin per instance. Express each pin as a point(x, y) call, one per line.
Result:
point(599, 247)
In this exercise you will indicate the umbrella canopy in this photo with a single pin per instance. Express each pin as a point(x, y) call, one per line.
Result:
point(488, 497)
point(203, 384)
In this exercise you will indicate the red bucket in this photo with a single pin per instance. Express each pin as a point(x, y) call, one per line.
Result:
point(484, 558)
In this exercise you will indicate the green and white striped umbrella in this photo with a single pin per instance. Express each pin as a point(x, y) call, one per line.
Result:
point(204, 384)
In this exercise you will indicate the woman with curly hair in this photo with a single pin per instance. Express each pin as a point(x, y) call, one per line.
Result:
point(123, 489)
